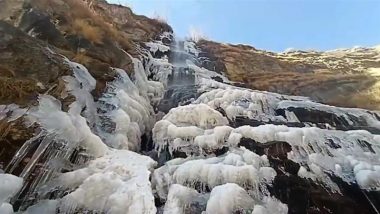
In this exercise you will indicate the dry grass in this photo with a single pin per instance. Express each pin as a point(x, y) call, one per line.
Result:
point(82, 58)
point(11, 88)
point(100, 23)
point(82, 20)
point(6, 72)
point(89, 32)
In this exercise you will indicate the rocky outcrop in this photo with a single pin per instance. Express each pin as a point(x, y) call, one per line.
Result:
point(346, 77)
point(94, 33)
point(27, 66)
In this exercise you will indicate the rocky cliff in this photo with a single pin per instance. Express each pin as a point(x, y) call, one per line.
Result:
point(344, 77)
point(97, 34)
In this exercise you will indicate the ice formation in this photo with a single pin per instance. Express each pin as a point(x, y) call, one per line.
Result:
point(159, 68)
point(197, 115)
point(231, 198)
point(226, 198)
point(239, 166)
point(191, 48)
point(184, 124)
point(43, 206)
point(80, 85)
point(264, 106)
point(11, 112)
point(128, 106)
point(115, 183)
point(9, 186)
point(350, 114)
point(151, 89)
point(181, 200)
point(157, 46)
point(351, 155)
point(72, 127)
point(203, 73)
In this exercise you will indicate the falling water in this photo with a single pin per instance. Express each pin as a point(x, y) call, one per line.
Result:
point(181, 86)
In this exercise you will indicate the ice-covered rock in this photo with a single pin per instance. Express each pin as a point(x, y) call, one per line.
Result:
point(116, 183)
point(199, 115)
point(160, 68)
point(181, 200)
point(44, 206)
point(70, 126)
point(275, 108)
point(239, 166)
point(229, 198)
point(351, 155)
point(9, 186)
point(157, 46)
point(185, 124)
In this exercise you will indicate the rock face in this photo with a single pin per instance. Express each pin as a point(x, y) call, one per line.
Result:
point(93, 33)
point(346, 77)
point(23, 77)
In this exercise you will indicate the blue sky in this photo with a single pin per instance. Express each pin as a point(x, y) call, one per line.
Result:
point(271, 24)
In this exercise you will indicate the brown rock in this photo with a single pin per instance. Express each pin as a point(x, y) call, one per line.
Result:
point(340, 77)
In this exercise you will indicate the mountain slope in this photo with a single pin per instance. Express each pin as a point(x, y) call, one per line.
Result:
point(345, 77)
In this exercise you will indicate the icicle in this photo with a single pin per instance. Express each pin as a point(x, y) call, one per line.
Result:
point(21, 153)
point(46, 141)
point(238, 166)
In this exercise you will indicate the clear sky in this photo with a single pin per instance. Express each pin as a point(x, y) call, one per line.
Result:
point(271, 24)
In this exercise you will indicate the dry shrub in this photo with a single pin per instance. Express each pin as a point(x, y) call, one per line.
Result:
point(80, 19)
point(85, 18)
point(81, 58)
point(11, 88)
point(93, 26)
point(89, 32)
